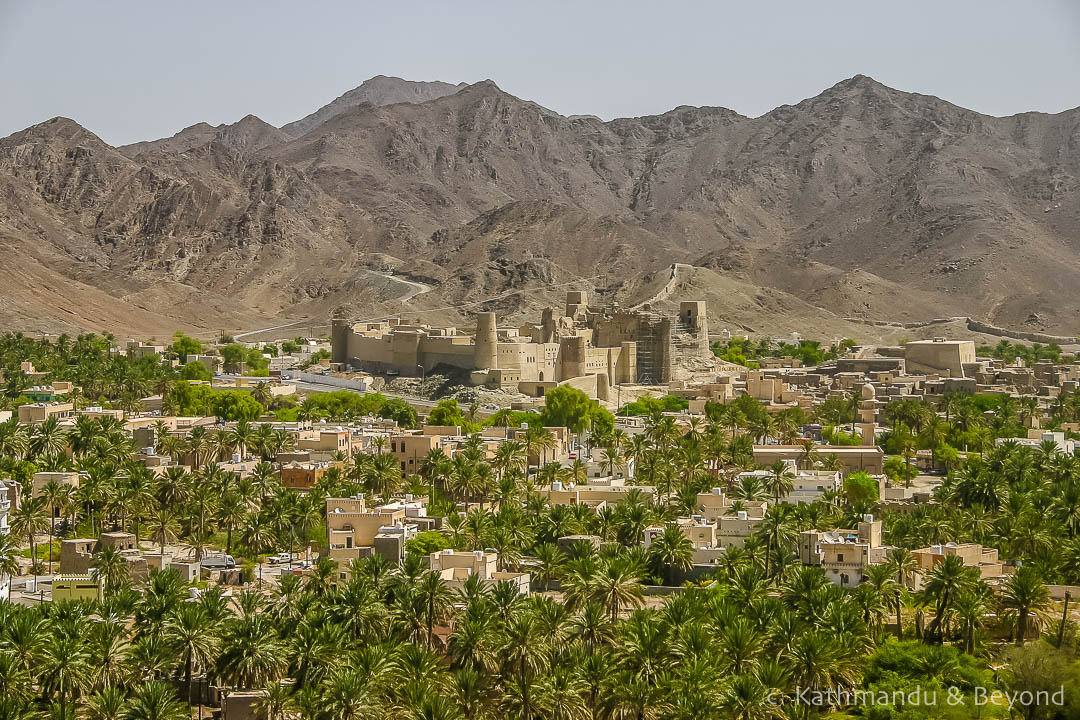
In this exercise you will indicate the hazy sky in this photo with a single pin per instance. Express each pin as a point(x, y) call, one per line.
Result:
point(138, 70)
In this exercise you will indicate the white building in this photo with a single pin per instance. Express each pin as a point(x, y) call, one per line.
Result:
point(808, 486)
point(1036, 438)
point(5, 506)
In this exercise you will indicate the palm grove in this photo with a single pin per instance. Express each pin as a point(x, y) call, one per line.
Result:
point(594, 642)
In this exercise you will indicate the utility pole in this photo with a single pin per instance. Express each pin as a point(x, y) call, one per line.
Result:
point(1064, 617)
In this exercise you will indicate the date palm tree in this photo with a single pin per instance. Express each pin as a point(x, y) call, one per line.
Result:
point(277, 701)
point(13, 439)
point(251, 652)
point(53, 497)
point(437, 600)
point(163, 525)
point(537, 441)
point(140, 484)
point(191, 628)
point(903, 564)
point(747, 698)
point(65, 670)
point(349, 696)
point(231, 513)
point(382, 475)
point(525, 654)
point(28, 521)
point(672, 551)
point(561, 695)
point(881, 578)
point(9, 556)
point(970, 609)
point(818, 661)
point(778, 529)
point(107, 704)
point(155, 700)
point(112, 568)
point(944, 584)
point(48, 438)
point(242, 436)
point(1025, 594)
point(255, 535)
point(617, 585)
point(809, 455)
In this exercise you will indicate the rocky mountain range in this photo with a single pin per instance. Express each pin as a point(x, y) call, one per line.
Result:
point(432, 200)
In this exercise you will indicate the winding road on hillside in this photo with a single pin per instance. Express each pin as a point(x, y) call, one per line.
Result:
point(415, 289)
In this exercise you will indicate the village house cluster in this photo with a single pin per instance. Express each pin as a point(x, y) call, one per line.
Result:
point(590, 348)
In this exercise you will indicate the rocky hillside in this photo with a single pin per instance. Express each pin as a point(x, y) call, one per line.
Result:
point(863, 202)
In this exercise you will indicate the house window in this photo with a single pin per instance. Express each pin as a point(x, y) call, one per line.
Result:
point(840, 558)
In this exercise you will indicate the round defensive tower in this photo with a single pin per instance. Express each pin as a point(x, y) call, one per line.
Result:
point(486, 352)
point(340, 329)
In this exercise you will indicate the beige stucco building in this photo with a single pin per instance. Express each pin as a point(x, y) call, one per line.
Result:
point(939, 355)
point(457, 567)
point(844, 554)
point(354, 530)
point(974, 555)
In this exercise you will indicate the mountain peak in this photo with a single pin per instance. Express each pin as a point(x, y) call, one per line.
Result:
point(862, 83)
point(59, 128)
point(249, 134)
point(378, 91)
point(488, 84)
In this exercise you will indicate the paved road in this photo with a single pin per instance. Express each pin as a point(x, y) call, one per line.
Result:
point(418, 288)
point(238, 336)
point(415, 288)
